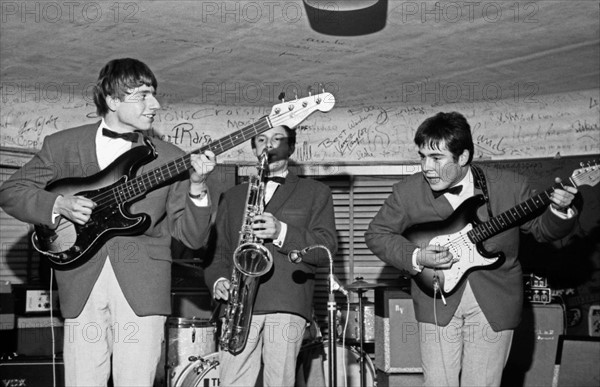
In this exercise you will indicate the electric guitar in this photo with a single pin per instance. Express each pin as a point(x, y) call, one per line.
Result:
point(113, 189)
point(464, 234)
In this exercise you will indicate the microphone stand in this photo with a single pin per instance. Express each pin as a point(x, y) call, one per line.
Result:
point(331, 319)
point(333, 285)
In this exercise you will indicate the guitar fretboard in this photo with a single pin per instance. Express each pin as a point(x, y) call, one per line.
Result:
point(510, 218)
point(143, 183)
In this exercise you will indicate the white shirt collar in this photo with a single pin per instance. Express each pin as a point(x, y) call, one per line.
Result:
point(108, 149)
point(468, 190)
point(281, 174)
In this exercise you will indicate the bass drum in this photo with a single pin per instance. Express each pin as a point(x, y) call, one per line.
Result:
point(313, 369)
point(188, 337)
point(203, 372)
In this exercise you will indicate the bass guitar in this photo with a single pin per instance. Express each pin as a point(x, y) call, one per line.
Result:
point(464, 234)
point(113, 189)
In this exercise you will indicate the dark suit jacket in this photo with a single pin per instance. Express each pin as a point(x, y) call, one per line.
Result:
point(307, 208)
point(499, 292)
point(142, 263)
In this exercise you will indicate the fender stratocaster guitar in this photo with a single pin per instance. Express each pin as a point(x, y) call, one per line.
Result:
point(464, 233)
point(68, 244)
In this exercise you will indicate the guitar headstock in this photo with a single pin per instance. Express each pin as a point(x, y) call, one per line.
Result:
point(588, 174)
point(291, 113)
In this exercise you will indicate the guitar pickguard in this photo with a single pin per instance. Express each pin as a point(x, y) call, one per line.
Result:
point(69, 244)
point(452, 232)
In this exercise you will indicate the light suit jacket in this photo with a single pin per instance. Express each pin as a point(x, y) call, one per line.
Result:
point(142, 264)
point(498, 291)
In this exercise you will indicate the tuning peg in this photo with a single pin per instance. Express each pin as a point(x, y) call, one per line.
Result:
point(281, 96)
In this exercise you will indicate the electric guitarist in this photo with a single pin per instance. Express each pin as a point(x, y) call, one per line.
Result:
point(115, 304)
point(466, 336)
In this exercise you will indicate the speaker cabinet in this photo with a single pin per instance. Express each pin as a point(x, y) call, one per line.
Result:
point(399, 380)
point(31, 372)
point(35, 336)
point(397, 348)
point(577, 362)
point(534, 346)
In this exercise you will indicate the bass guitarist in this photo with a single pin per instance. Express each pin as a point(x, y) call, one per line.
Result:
point(116, 302)
point(465, 333)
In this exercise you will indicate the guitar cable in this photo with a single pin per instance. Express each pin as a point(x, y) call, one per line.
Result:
point(53, 339)
point(344, 359)
point(436, 288)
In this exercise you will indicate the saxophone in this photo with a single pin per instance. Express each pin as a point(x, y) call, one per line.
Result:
point(251, 260)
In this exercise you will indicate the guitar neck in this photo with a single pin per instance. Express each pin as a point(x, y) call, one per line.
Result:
point(144, 183)
point(512, 217)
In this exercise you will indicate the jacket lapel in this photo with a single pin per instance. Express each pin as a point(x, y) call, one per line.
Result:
point(282, 193)
point(441, 206)
point(87, 148)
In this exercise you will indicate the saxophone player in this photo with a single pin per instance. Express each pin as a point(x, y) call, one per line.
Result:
point(298, 213)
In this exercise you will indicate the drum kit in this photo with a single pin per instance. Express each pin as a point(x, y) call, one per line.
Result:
point(360, 329)
point(193, 359)
point(191, 353)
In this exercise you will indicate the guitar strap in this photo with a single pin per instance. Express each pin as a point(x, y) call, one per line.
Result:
point(148, 141)
point(481, 184)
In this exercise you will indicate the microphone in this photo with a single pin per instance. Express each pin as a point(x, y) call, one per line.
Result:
point(295, 256)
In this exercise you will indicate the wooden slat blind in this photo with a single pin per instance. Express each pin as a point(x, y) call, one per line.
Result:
point(356, 201)
point(16, 257)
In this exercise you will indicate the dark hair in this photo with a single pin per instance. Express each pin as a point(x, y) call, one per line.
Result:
point(452, 129)
point(290, 133)
point(119, 76)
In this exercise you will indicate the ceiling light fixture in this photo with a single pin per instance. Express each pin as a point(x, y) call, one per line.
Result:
point(340, 5)
point(346, 17)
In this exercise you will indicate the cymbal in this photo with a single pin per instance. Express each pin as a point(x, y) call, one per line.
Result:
point(357, 286)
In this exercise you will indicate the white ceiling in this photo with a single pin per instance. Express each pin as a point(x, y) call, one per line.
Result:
point(247, 52)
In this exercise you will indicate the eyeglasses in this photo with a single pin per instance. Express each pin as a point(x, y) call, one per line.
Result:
point(275, 140)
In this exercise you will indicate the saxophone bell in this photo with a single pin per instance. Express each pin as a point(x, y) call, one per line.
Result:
point(252, 259)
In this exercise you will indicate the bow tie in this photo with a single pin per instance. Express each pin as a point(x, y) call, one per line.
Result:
point(452, 190)
point(276, 179)
point(128, 136)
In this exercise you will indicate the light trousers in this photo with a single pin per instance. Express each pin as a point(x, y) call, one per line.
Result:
point(275, 339)
point(466, 352)
point(108, 327)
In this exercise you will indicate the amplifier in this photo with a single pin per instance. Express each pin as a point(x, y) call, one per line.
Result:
point(35, 300)
point(32, 372)
point(577, 362)
point(399, 380)
point(35, 335)
point(397, 347)
point(7, 306)
point(534, 346)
